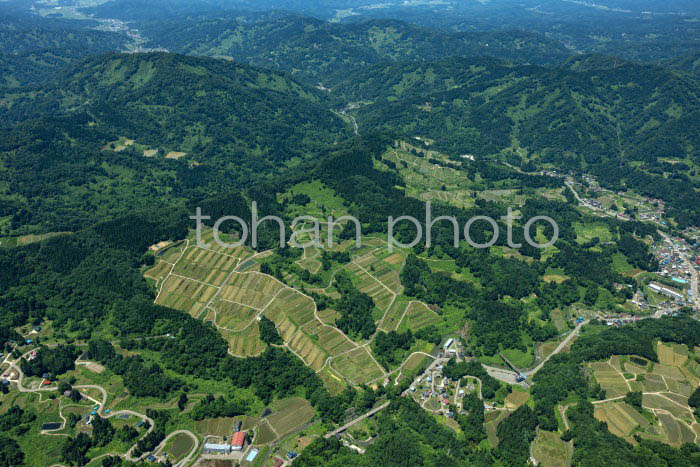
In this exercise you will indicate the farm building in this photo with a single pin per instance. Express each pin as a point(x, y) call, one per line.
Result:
point(449, 343)
point(665, 290)
point(238, 441)
point(217, 448)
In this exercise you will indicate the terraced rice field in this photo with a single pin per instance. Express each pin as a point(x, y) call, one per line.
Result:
point(244, 343)
point(292, 415)
point(254, 290)
point(384, 267)
point(654, 383)
point(185, 294)
point(293, 314)
point(610, 379)
point(672, 354)
point(676, 432)
point(418, 316)
point(180, 446)
point(393, 317)
point(357, 366)
point(380, 293)
point(205, 265)
point(233, 316)
point(159, 272)
point(328, 316)
point(657, 401)
point(215, 426)
point(622, 419)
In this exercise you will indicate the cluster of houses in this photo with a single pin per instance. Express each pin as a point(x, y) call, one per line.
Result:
point(238, 441)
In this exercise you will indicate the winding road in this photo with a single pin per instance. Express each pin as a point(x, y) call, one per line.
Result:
point(102, 405)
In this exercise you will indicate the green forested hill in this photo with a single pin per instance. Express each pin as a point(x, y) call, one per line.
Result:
point(32, 48)
point(593, 113)
point(226, 123)
point(316, 49)
point(580, 114)
point(689, 63)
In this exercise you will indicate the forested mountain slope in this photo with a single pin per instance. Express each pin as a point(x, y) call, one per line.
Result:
point(225, 123)
point(316, 49)
point(578, 113)
point(594, 113)
point(689, 63)
point(32, 48)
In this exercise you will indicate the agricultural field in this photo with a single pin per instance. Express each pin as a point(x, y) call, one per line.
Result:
point(294, 315)
point(550, 450)
point(219, 427)
point(185, 294)
point(205, 266)
point(188, 277)
point(357, 366)
point(232, 316)
point(367, 283)
point(244, 343)
point(622, 418)
point(417, 317)
point(665, 388)
point(610, 379)
point(394, 315)
point(251, 289)
point(289, 415)
point(425, 180)
point(179, 447)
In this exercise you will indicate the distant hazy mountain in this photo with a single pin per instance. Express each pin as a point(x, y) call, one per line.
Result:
point(316, 49)
point(32, 48)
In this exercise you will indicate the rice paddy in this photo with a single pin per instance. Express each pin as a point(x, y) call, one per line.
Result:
point(417, 317)
point(665, 388)
point(357, 366)
point(291, 414)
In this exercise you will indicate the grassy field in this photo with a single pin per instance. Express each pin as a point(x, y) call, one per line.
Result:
point(491, 421)
point(558, 318)
point(517, 398)
point(589, 231)
point(550, 450)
